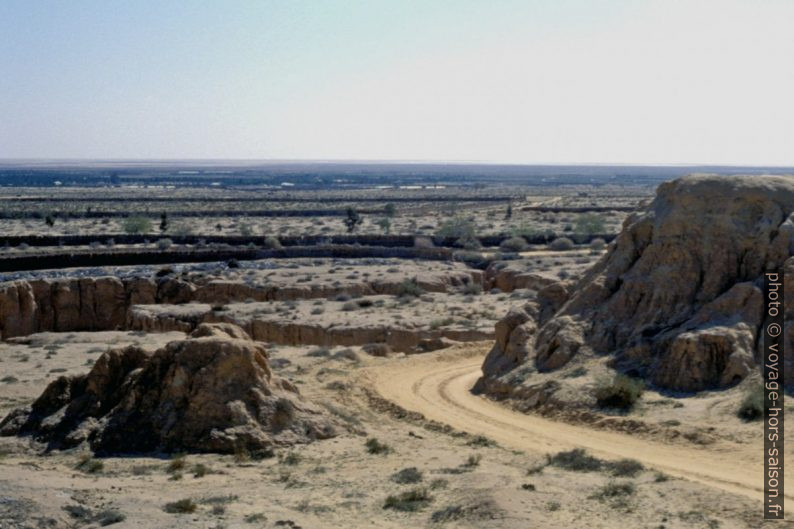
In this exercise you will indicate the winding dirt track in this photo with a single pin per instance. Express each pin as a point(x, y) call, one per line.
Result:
point(438, 386)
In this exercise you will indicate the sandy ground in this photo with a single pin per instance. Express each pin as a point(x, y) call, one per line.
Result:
point(439, 388)
point(479, 463)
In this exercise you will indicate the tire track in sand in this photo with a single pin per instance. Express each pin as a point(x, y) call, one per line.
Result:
point(438, 386)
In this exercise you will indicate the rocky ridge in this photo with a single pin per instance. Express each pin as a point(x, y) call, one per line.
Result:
point(676, 300)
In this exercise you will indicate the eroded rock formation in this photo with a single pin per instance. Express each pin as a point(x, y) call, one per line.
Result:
point(677, 298)
point(103, 303)
point(212, 392)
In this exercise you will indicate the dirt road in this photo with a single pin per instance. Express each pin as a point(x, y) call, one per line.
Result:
point(438, 386)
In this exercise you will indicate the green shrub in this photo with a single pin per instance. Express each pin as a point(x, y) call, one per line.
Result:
point(614, 489)
point(514, 244)
point(291, 459)
point(272, 243)
point(589, 223)
point(472, 289)
point(577, 460)
point(409, 501)
point(200, 470)
point(472, 461)
point(561, 244)
point(407, 475)
point(625, 468)
point(621, 392)
point(409, 288)
point(480, 440)
point(184, 506)
point(376, 447)
point(89, 465)
point(752, 406)
point(597, 244)
point(136, 225)
point(457, 228)
point(177, 464)
point(109, 517)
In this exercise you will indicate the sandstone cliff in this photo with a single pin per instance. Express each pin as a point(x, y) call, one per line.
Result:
point(676, 300)
point(103, 303)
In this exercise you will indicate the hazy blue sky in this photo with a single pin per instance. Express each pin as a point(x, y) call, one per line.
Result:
point(515, 81)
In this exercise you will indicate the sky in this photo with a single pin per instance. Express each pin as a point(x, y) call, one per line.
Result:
point(529, 81)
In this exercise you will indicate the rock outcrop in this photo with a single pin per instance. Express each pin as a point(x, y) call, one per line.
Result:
point(676, 300)
point(212, 392)
point(278, 329)
point(103, 303)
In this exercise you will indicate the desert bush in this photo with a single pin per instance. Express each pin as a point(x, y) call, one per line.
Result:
point(177, 464)
point(346, 354)
point(625, 468)
point(376, 349)
point(468, 243)
point(109, 517)
point(409, 501)
point(350, 305)
point(89, 465)
point(136, 225)
point(272, 243)
point(184, 506)
point(621, 392)
point(384, 224)
point(561, 244)
point(284, 413)
point(472, 461)
point(514, 244)
point(352, 219)
point(752, 406)
point(409, 288)
point(291, 459)
point(577, 460)
point(472, 289)
point(374, 446)
point(423, 242)
point(457, 228)
point(477, 510)
point(436, 324)
point(407, 475)
point(589, 223)
point(597, 244)
point(614, 489)
point(164, 244)
point(319, 352)
point(200, 470)
point(480, 440)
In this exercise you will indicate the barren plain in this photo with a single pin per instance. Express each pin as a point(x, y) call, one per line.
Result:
point(362, 346)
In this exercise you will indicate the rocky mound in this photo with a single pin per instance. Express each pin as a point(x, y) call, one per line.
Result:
point(212, 392)
point(676, 300)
